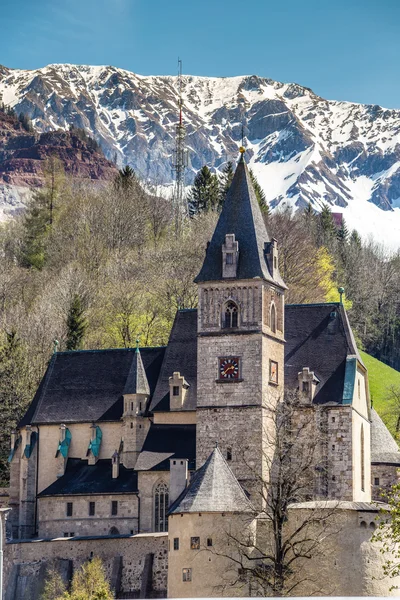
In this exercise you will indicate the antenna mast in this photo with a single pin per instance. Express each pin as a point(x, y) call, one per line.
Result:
point(180, 159)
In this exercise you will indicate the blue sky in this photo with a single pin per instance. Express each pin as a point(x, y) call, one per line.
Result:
point(342, 49)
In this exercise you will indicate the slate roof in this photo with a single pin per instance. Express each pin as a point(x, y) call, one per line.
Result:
point(87, 385)
point(384, 449)
point(242, 216)
point(81, 478)
point(164, 442)
point(180, 355)
point(136, 382)
point(318, 336)
point(213, 488)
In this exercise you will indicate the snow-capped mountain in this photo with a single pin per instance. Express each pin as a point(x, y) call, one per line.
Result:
point(301, 147)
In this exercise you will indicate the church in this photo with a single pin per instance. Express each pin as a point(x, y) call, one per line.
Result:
point(124, 442)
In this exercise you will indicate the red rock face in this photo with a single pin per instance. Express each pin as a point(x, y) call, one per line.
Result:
point(22, 154)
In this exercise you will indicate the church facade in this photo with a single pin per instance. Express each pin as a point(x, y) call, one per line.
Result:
point(123, 442)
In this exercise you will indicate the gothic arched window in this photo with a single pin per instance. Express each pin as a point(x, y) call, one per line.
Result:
point(362, 459)
point(230, 315)
point(273, 318)
point(161, 498)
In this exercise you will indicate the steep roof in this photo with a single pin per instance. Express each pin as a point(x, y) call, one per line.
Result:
point(87, 385)
point(318, 336)
point(81, 478)
point(384, 449)
point(213, 488)
point(136, 382)
point(180, 355)
point(164, 442)
point(240, 215)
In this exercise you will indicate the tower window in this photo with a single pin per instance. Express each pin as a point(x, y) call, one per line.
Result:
point(195, 543)
point(161, 498)
point(376, 481)
point(273, 371)
point(209, 542)
point(229, 258)
point(273, 318)
point(131, 425)
point(70, 506)
point(131, 405)
point(186, 574)
point(176, 543)
point(229, 454)
point(114, 508)
point(231, 315)
point(175, 390)
point(92, 509)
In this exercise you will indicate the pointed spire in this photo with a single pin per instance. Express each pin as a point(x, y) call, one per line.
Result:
point(241, 216)
point(213, 488)
point(136, 382)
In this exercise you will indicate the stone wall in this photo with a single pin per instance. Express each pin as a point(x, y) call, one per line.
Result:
point(141, 570)
point(382, 479)
point(53, 520)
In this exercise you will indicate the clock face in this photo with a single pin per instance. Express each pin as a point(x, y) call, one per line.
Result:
point(229, 368)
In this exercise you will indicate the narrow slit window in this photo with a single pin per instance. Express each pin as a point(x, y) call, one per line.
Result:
point(229, 258)
point(229, 454)
point(69, 509)
point(114, 508)
point(92, 509)
point(175, 390)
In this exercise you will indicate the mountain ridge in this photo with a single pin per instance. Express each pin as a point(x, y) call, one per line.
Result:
point(301, 147)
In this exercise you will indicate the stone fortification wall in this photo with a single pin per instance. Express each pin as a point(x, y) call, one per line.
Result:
point(135, 564)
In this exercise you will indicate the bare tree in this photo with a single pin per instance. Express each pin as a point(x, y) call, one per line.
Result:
point(294, 519)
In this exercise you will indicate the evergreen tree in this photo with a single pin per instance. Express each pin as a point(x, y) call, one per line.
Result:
point(225, 181)
point(259, 194)
point(326, 227)
point(204, 195)
point(342, 233)
point(54, 587)
point(126, 178)
point(36, 226)
point(355, 239)
point(76, 324)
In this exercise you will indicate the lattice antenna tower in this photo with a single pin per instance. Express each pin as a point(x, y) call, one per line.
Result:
point(180, 159)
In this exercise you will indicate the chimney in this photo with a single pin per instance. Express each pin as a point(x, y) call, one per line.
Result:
point(178, 477)
point(115, 465)
point(178, 387)
point(308, 382)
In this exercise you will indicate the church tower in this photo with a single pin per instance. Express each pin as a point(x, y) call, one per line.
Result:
point(135, 425)
point(240, 335)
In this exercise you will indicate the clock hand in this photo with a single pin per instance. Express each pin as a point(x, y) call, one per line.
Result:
point(230, 368)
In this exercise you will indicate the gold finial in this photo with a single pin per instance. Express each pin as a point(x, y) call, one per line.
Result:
point(242, 150)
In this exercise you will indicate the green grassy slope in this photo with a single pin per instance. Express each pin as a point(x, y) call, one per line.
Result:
point(381, 377)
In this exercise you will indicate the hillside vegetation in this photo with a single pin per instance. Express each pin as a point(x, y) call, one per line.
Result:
point(97, 267)
point(382, 380)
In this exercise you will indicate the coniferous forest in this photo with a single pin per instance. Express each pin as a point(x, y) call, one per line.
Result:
point(97, 266)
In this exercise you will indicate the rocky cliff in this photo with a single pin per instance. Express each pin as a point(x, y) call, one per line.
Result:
point(23, 152)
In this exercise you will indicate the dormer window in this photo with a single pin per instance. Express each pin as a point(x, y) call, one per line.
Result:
point(175, 390)
point(230, 256)
point(230, 315)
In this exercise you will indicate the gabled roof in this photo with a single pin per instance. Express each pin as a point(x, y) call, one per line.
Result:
point(180, 355)
point(384, 449)
point(318, 336)
point(136, 382)
point(240, 215)
point(213, 488)
point(87, 385)
point(164, 442)
point(82, 478)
